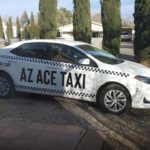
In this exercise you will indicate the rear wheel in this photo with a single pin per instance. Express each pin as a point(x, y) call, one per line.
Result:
point(114, 99)
point(6, 86)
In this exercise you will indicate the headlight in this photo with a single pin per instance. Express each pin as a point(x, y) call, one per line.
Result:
point(143, 79)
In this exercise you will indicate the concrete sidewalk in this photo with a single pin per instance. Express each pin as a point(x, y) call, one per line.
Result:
point(35, 136)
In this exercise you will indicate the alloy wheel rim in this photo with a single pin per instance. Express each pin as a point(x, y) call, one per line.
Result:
point(4, 86)
point(115, 100)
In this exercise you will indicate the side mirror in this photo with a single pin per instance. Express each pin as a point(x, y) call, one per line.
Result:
point(84, 61)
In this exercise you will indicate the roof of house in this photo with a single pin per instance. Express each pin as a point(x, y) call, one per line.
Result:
point(96, 27)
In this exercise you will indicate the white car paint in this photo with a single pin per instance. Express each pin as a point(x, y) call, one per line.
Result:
point(26, 74)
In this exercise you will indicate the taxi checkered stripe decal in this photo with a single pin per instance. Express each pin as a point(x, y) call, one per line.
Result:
point(71, 66)
point(29, 88)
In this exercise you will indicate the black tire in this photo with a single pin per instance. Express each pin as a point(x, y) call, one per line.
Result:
point(6, 86)
point(114, 99)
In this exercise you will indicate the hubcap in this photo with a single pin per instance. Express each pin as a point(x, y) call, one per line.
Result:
point(115, 100)
point(4, 86)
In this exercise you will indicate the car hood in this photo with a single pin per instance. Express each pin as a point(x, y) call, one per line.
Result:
point(134, 68)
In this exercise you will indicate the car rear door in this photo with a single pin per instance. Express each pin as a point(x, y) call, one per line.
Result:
point(32, 71)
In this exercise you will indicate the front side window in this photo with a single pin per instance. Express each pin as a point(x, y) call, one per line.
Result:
point(67, 54)
point(101, 55)
point(33, 50)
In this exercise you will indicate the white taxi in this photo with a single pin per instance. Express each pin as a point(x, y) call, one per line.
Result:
point(74, 70)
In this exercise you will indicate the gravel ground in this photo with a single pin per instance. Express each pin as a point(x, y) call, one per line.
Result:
point(127, 131)
point(36, 108)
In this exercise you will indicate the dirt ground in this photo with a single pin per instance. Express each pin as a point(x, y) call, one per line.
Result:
point(126, 131)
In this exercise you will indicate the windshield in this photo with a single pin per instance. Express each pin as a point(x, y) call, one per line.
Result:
point(101, 55)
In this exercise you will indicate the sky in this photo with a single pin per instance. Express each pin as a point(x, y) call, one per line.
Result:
point(15, 8)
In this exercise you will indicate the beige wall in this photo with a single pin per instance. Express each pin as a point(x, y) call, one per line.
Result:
point(97, 42)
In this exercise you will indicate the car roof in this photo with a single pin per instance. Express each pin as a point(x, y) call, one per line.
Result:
point(58, 41)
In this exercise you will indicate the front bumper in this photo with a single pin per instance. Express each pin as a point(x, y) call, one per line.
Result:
point(145, 101)
point(141, 97)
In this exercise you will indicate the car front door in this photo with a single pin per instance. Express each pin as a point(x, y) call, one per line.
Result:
point(49, 68)
point(73, 80)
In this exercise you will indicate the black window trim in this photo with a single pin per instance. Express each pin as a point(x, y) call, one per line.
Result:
point(93, 63)
point(20, 46)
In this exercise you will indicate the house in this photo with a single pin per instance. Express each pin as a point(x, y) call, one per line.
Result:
point(66, 32)
point(127, 34)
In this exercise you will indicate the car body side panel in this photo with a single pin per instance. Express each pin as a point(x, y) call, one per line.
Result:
point(142, 92)
point(28, 70)
point(73, 81)
point(137, 90)
point(7, 66)
point(52, 78)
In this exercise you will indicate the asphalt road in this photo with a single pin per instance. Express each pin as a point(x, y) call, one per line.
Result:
point(127, 48)
point(126, 51)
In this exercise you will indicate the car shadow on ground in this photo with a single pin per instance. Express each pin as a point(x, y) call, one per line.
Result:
point(35, 108)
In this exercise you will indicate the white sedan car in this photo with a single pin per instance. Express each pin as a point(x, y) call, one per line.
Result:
point(74, 70)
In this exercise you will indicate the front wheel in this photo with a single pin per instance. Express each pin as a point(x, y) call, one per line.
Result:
point(114, 99)
point(6, 86)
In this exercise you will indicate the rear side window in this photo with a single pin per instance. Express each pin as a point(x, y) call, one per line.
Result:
point(33, 50)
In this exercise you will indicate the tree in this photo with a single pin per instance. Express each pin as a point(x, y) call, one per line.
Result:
point(64, 17)
point(111, 21)
point(25, 33)
point(48, 19)
point(82, 21)
point(1, 28)
point(142, 30)
point(32, 20)
point(126, 22)
point(24, 20)
point(9, 29)
point(33, 31)
point(97, 18)
point(18, 28)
